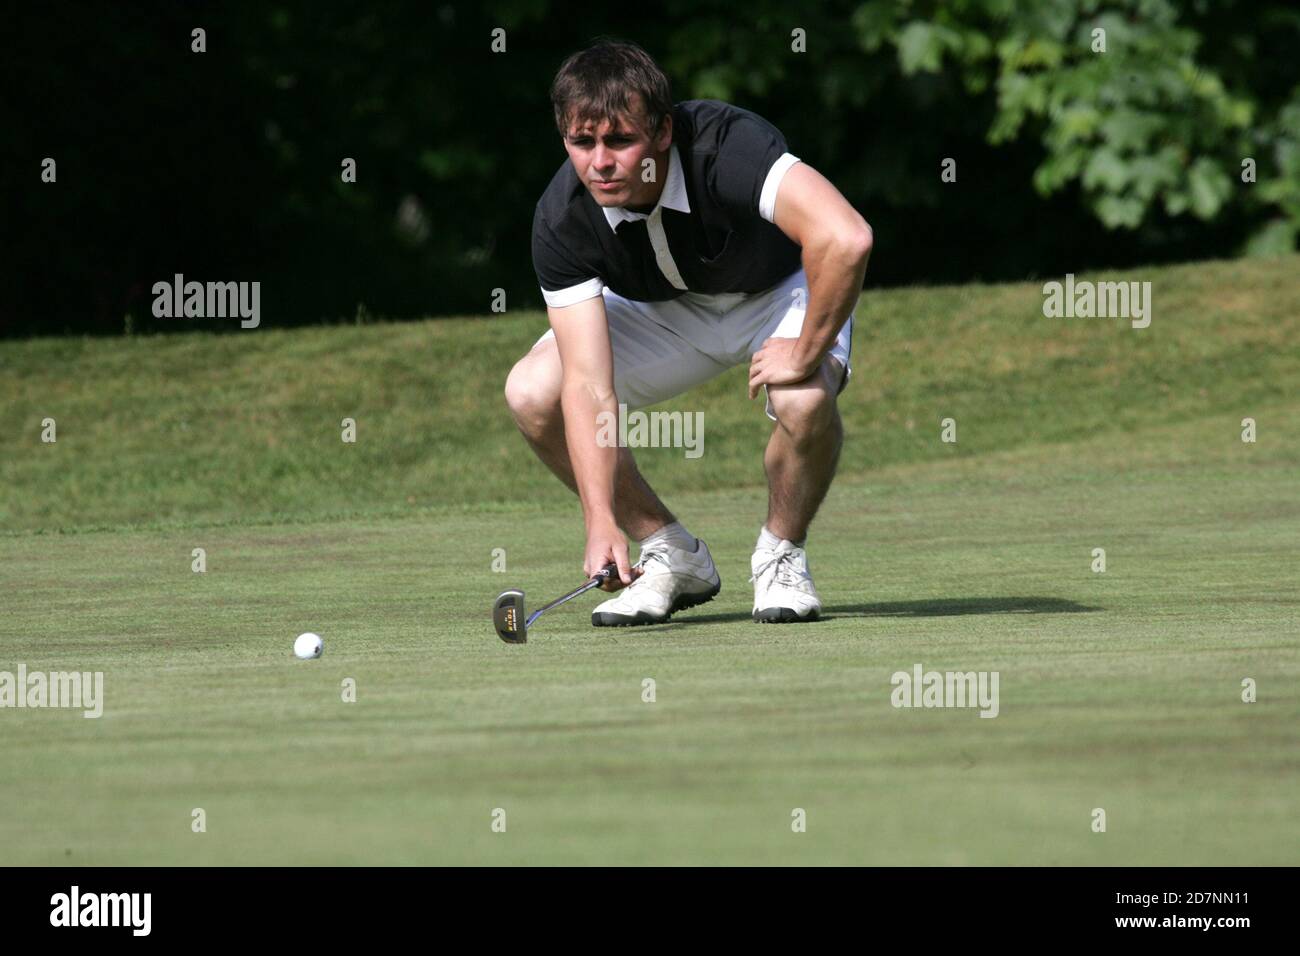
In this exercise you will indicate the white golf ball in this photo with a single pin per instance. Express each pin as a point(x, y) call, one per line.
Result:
point(308, 646)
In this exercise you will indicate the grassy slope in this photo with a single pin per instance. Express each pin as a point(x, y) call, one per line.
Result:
point(192, 428)
point(1118, 690)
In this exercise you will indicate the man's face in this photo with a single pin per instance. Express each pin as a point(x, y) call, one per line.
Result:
point(608, 158)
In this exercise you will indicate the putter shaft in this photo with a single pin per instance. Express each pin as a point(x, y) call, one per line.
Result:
point(596, 581)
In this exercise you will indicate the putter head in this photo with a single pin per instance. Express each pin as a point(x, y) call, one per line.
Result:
point(508, 616)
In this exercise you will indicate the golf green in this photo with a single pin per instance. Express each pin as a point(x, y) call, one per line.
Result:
point(1160, 696)
point(1119, 690)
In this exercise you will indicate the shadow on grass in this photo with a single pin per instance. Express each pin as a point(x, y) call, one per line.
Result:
point(935, 607)
point(943, 607)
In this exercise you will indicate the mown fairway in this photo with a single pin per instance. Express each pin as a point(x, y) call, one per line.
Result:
point(1119, 690)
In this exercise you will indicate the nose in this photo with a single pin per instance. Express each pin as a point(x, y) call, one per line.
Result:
point(601, 157)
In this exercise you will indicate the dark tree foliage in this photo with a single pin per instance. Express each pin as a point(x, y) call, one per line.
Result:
point(225, 165)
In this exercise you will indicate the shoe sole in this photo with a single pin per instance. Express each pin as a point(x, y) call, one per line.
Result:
point(783, 615)
point(684, 601)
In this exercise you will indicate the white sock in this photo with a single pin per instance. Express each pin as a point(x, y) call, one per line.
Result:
point(673, 534)
point(770, 542)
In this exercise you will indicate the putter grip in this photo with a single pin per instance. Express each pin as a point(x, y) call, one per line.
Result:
point(608, 571)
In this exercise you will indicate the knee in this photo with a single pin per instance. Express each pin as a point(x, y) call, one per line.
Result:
point(807, 413)
point(532, 397)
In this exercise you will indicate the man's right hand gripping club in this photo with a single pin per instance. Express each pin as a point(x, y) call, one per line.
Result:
point(606, 544)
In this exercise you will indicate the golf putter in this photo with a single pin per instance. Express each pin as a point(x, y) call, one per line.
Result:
point(508, 611)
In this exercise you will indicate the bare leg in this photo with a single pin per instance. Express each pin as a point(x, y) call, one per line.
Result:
point(533, 394)
point(802, 453)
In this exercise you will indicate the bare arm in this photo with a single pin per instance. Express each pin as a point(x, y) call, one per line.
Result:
point(587, 400)
point(836, 243)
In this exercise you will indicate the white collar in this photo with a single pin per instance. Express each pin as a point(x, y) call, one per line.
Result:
point(673, 196)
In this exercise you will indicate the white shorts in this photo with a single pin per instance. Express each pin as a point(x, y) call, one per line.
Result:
point(662, 349)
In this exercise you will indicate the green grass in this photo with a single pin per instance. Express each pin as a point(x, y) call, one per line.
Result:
point(232, 428)
point(1118, 690)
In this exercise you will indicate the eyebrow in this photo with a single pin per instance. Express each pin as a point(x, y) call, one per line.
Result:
point(612, 134)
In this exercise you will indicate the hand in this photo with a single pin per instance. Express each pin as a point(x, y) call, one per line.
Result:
point(775, 364)
point(605, 544)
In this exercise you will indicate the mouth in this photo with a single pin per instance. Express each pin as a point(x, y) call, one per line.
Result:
point(607, 186)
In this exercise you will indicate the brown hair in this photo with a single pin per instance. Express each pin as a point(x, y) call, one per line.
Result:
point(599, 83)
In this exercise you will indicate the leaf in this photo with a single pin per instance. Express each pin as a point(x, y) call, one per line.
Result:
point(1130, 130)
point(1076, 122)
point(1120, 211)
point(1058, 169)
point(873, 22)
point(920, 48)
point(1208, 187)
point(1105, 170)
point(1276, 238)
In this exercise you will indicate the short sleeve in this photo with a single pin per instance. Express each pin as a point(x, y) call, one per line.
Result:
point(562, 278)
point(752, 159)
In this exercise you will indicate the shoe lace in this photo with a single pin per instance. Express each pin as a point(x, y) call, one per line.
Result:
point(782, 565)
point(652, 554)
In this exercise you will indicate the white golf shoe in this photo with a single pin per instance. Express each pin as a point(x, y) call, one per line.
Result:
point(672, 580)
point(783, 586)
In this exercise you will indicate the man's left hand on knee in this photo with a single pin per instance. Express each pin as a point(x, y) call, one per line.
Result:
point(777, 363)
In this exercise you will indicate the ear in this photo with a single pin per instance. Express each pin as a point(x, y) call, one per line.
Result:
point(665, 137)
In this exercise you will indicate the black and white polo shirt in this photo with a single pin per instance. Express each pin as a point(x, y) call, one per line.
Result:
point(710, 232)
